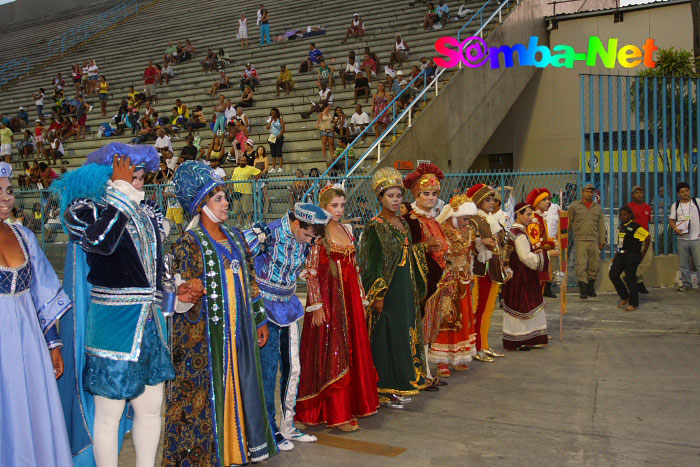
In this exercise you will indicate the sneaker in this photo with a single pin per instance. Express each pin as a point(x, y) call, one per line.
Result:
point(285, 445)
point(279, 171)
point(296, 435)
point(683, 288)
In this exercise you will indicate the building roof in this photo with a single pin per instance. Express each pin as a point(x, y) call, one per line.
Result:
point(608, 11)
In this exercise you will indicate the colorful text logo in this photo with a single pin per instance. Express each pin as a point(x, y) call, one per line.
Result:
point(473, 52)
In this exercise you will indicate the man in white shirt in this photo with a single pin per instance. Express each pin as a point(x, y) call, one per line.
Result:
point(229, 111)
point(216, 165)
point(325, 95)
point(351, 68)
point(164, 146)
point(358, 121)
point(241, 116)
point(685, 222)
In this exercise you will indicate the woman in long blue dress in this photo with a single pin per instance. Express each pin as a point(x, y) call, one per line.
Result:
point(32, 429)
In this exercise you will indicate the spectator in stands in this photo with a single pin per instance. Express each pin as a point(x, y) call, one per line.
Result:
point(342, 145)
point(23, 178)
point(209, 62)
point(374, 57)
point(406, 97)
point(215, 164)
point(39, 103)
point(81, 118)
point(262, 163)
point(93, 74)
point(298, 188)
point(351, 69)
point(428, 64)
point(58, 83)
point(150, 75)
point(164, 174)
point(221, 83)
point(315, 57)
point(243, 192)
point(361, 86)
point(171, 51)
point(85, 67)
point(325, 75)
point(431, 17)
point(55, 151)
point(189, 51)
point(249, 77)
point(222, 60)
point(396, 85)
point(400, 52)
point(264, 25)
point(26, 146)
point(243, 31)
point(356, 29)
point(326, 97)
point(684, 219)
point(6, 140)
point(359, 121)
point(198, 120)
point(284, 80)
point(248, 151)
point(240, 135)
point(46, 175)
point(240, 116)
point(103, 94)
point(275, 124)
point(379, 103)
point(19, 122)
point(443, 12)
point(229, 111)
point(246, 98)
point(146, 131)
point(415, 71)
point(182, 109)
point(217, 149)
point(369, 67)
point(39, 135)
point(324, 124)
point(77, 75)
point(340, 122)
point(163, 144)
point(166, 73)
point(190, 151)
point(121, 116)
point(390, 75)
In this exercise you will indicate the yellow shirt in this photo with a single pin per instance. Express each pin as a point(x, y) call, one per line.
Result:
point(244, 173)
point(286, 75)
point(5, 136)
point(104, 88)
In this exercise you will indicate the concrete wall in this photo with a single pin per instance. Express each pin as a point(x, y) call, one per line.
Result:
point(22, 10)
point(542, 129)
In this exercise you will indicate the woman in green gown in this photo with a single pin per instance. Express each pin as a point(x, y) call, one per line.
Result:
point(393, 273)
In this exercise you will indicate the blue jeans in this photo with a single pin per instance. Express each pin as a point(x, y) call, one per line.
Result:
point(686, 248)
point(264, 32)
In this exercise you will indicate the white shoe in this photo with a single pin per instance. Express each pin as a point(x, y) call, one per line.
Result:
point(279, 171)
point(285, 445)
point(296, 435)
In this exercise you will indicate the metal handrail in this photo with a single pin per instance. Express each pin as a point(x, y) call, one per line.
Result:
point(13, 69)
point(89, 28)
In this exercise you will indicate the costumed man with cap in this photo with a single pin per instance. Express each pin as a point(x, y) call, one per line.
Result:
point(280, 250)
point(215, 342)
point(588, 230)
point(524, 321)
point(456, 343)
point(122, 290)
point(489, 267)
point(426, 232)
point(539, 200)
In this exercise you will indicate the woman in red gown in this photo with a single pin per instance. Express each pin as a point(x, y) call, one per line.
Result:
point(338, 382)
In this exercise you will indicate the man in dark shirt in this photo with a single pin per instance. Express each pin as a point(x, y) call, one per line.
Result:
point(361, 86)
point(249, 154)
point(642, 216)
point(189, 152)
point(632, 244)
point(315, 57)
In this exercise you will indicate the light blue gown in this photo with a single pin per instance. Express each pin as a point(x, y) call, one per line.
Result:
point(32, 427)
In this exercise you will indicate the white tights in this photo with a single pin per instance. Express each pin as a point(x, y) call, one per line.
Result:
point(146, 428)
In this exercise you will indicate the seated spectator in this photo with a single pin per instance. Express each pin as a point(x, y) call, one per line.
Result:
point(351, 69)
point(325, 75)
point(443, 12)
point(298, 188)
point(415, 71)
point(146, 131)
point(166, 72)
point(249, 77)
point(71, 129)
point(407, 96)
point(429, 65)
point(121, 116)
point(188, 51)
point(58, 83)
point(56, 127)
point(396, 87)
point(55, 151)
point(315, 57)
point(164, 174)
point(46, 175)
point(222, 60)
point(246, 98)
point(240, 116)
point(284, 80)
point(209, 62)
point(431, 17)
point(340, 122)
point(369, 67)
point(182, 109)
point(361, 86)
point(24, 176)
point(215, 164)
point(20, 121)
point(26, 146)
point(326, 97)
point(359, 121)
point(248, 151)
point(342, 145)
point(171, 51)
point(217, 149)
point(198, 119)
point(400, 52)
point(221, 83)
point(389, 74)
point(149, 110)
point(356, 29)
point(39, 135)
point(464, 10)
point(163, 144)
point(374, 57)
point(240, 136)
point(190, 151)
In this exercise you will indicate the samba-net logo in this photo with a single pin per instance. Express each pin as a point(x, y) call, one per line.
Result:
point(473, 52)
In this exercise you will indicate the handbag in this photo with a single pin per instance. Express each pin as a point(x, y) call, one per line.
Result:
point(272, 139)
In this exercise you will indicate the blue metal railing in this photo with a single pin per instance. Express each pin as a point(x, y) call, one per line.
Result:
point(59, 44)
point(14, 69)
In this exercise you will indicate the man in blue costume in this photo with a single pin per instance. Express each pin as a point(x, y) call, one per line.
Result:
point(124, 339)
point(280, 251)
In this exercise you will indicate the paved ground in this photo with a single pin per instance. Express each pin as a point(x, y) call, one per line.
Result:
point(621, 389)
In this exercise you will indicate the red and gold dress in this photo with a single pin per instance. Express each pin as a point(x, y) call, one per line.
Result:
point(456, 343)
point(338, 381)
point(539, 239)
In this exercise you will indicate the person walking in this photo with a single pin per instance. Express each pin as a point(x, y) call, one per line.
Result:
point(632, 244)
point(642, 216)
point(588, 229)
point(685, 222)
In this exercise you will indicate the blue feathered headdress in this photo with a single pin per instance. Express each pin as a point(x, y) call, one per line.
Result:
point(89, 181)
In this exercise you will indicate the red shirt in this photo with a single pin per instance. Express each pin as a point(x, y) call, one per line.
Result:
point(642, 213)
point(150, 75)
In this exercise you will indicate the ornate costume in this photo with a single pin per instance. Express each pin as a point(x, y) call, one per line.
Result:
point(537, 230)
point(524, 321)
point(216, 412)
point(456, 343)
point(279, 258)
point(338, 380)
point(393, 270)
point(32, 431)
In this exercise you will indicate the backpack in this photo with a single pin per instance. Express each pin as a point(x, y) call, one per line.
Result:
point(695, 202)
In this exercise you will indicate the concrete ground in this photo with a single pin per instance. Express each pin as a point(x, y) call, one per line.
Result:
point(621, 389)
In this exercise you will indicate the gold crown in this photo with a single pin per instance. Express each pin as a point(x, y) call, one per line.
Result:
point(386, 177)
point(459, 200)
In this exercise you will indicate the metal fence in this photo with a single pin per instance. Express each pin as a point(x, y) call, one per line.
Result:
point(640, 131)
point(14, 69)
point(270, 199)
